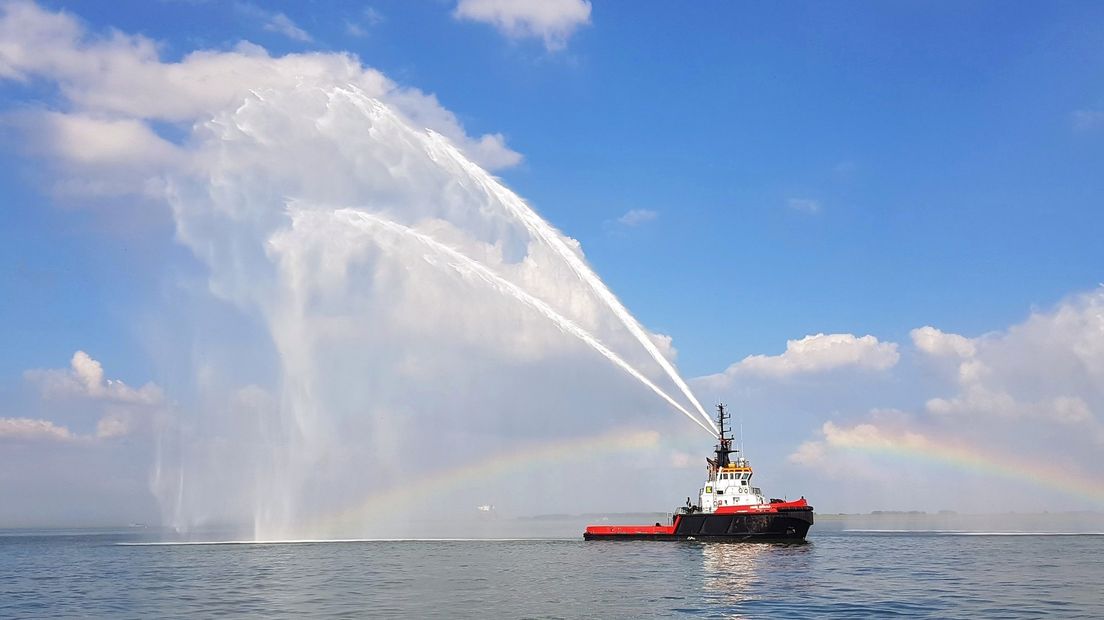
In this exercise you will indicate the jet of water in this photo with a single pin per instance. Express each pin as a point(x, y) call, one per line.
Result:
point(445, 154)
point(440, 147)
point(468, 266)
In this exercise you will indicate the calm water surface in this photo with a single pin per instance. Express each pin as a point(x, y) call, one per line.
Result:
point(837, 574)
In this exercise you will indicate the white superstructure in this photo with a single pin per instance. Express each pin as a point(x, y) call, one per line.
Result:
point(729, 485)
point(729, 481)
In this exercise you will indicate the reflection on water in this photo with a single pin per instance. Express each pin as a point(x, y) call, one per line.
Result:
point(733, 572)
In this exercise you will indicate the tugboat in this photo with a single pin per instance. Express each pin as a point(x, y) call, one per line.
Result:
point(729, 507)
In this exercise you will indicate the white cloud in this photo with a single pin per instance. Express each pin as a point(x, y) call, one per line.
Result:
point(665, 344)
point(358, 27)
point(805, 205)
point(1001, 462)
point(85, 379)
point(113, 425)
point(938, 343)
point(833, 454)
point(489, 150)
point(1035, 389)
point(636, 217)
point(274, 21)
point(492, 153)
point(810, 453)
point(1049, 367)
point(553, 21)
point(870, 435)
point(109, 142)
point(978, 400)
point(119, 83)
point(97, 156)
point(280, 23)
point(123, 409)
point(355, 29)
point(813, 354)
point(25, 32)
point(30, 429)
point(946, 347)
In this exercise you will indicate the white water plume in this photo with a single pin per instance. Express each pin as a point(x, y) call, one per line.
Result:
point(468, 267)
point(537, 226)
point(350, 344)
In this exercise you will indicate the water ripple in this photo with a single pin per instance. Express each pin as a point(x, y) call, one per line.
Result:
point(838, 575)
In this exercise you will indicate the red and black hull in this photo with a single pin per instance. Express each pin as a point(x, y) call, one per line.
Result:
point(783, 525)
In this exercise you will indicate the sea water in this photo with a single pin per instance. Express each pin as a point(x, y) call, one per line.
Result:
point(839, 573)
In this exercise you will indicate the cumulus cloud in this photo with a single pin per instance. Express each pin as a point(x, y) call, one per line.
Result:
point(111, 142)
point(85, 379)
point(840, 451)
point(979, 400)
point(1050, 366)
point(876, 434)
point(123, 409)
point(31, 429)
point(847, 454)
point(553, 21)
point(870, 435)
point(1035, 388)
point(814, 354)
point(490, 150)
point(117, 86)
point(935, 342)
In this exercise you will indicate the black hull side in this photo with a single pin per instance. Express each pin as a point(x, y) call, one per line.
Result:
point(783, 526)
point(788, 525)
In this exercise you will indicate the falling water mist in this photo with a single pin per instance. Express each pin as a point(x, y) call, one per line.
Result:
point(413, 314)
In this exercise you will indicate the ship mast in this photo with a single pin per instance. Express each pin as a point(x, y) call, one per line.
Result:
point(724, 441)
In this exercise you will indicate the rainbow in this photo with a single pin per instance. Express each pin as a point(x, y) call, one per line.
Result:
point(972, 458)
point(526, 457)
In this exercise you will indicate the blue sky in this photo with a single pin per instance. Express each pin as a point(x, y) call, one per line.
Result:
point(739, 174)
point(954, 184)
